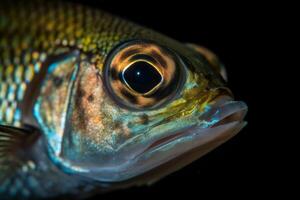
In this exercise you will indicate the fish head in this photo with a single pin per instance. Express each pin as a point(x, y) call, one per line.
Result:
point(149, 101)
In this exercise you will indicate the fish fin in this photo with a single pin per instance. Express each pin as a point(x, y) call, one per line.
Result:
point(14, 146)
point(211, 58)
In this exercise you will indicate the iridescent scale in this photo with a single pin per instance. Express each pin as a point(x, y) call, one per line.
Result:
point(15, 77)
point(31, 31)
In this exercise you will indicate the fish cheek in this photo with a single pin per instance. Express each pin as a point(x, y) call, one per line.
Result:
point(93, 124)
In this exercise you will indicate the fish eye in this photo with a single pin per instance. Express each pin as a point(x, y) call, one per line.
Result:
point(143, 75)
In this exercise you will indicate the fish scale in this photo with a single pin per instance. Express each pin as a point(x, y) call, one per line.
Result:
point(15, 75)
point(32, 30)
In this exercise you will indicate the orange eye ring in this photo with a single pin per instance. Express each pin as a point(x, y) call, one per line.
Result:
point(156, 74)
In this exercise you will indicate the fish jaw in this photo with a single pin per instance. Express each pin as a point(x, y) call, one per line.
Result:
point(224, 121)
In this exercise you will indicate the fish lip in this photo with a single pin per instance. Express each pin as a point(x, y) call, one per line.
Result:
point(228, 112)
point(207, 134)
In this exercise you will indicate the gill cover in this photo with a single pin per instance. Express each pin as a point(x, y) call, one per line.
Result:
point(68, 112)
point(52, 104)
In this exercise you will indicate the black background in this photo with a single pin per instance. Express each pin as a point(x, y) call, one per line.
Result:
point(241, 35)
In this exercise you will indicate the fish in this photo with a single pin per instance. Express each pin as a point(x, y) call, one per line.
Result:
point(91, 102)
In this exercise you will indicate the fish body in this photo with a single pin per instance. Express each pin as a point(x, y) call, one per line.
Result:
point(91, 102)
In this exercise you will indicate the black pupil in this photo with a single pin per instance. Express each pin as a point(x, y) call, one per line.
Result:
point(142, 77)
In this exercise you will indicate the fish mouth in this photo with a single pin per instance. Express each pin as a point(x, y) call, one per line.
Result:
point(222, 122)
point(229, 113)
point(223, 119)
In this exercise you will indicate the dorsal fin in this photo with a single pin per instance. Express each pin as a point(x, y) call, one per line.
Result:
point(15, 145)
